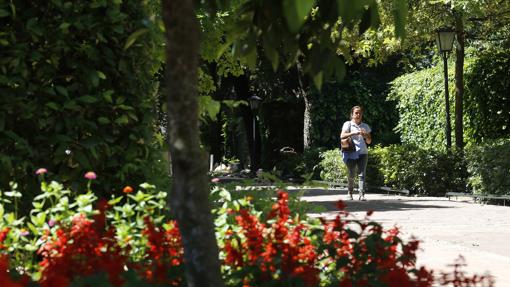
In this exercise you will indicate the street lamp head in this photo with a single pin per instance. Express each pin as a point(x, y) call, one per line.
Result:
point(255, 102)
point(444, 39)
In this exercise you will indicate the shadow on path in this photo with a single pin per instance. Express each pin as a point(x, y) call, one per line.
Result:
point(375, 205)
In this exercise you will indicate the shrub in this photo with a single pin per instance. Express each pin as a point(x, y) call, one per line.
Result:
point(489, 167)
point(304, 165)
point(78, 90)
point(332, 167)
point(430, 172)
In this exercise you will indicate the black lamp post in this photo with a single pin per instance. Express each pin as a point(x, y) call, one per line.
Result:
point(444, 41)
point(254, 105)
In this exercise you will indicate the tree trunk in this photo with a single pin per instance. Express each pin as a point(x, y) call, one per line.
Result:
point(459, 81)
point(307, 120)
point(189, 199)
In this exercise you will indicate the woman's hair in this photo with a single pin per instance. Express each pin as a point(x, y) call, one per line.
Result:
point(356, 107)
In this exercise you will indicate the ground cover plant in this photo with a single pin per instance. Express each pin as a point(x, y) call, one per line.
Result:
point(71, 239)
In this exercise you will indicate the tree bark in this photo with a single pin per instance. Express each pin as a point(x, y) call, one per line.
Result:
point(307, 117)
point(459, 81)
point(189, 198)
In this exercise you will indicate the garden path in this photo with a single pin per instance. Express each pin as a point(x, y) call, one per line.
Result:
point(447, 229)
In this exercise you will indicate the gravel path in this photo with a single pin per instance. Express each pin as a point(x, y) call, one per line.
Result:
point(447, 229)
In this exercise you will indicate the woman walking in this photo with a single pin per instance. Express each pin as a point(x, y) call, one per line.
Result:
point(356, 160)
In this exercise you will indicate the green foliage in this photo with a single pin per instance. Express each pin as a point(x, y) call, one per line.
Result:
point(332, 106)
point(229, 197)
point(405, 167)
point(489, 167)
point(420, 101)
point(78, 91)
point(291, 164)
point(422, 171)
point(332, 168)
point(308, 28)
point(56, 206)
point(487, 105)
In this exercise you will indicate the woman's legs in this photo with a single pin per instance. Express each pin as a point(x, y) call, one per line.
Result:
point(351, 173)
point(361, 164)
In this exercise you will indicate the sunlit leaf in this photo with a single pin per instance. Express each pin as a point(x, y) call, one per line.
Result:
point(135, 35)
point(295, 12)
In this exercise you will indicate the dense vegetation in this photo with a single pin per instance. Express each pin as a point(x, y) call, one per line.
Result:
point(81, 85)
point(78, 91)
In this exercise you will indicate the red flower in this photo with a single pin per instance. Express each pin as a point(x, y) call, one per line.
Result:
point(127, 189)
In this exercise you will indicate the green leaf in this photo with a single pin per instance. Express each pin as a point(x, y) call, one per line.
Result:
point(122, 120)
point(53, 106)
point(101, 75)
point(350, 10)
point(271, 53)
point(132, 38)
point(13, 193)
point(87, 99)
point(94, 78)
point(400, 17)
point(103, 120)
point(4, 13)
point(317, 80)
point(208, 107)
point(108, 96)
point(295, 12)
point(64, 26)
point(62, 90)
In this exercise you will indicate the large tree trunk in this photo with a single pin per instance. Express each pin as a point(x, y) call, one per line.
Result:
point(459, 81)
point(189, 199)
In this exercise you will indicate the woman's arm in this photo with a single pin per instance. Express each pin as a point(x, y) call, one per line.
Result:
point(345, 134)
point(367, 136)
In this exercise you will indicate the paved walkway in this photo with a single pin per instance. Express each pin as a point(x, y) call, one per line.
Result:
point(447, 229)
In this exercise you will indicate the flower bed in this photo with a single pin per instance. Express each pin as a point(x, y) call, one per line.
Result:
point(129, 240)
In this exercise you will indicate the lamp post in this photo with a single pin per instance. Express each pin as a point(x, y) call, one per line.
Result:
point(254, 105)
point(444, 41)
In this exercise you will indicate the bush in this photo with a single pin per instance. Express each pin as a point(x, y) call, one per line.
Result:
point(332, 167)
point(489, 167)
point(429, 172)
point(82, 246)
point(78, 91)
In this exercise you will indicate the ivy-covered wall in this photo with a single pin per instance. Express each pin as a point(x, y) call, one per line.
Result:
point(487, 104)
point(77, 90)
point(421, 102)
